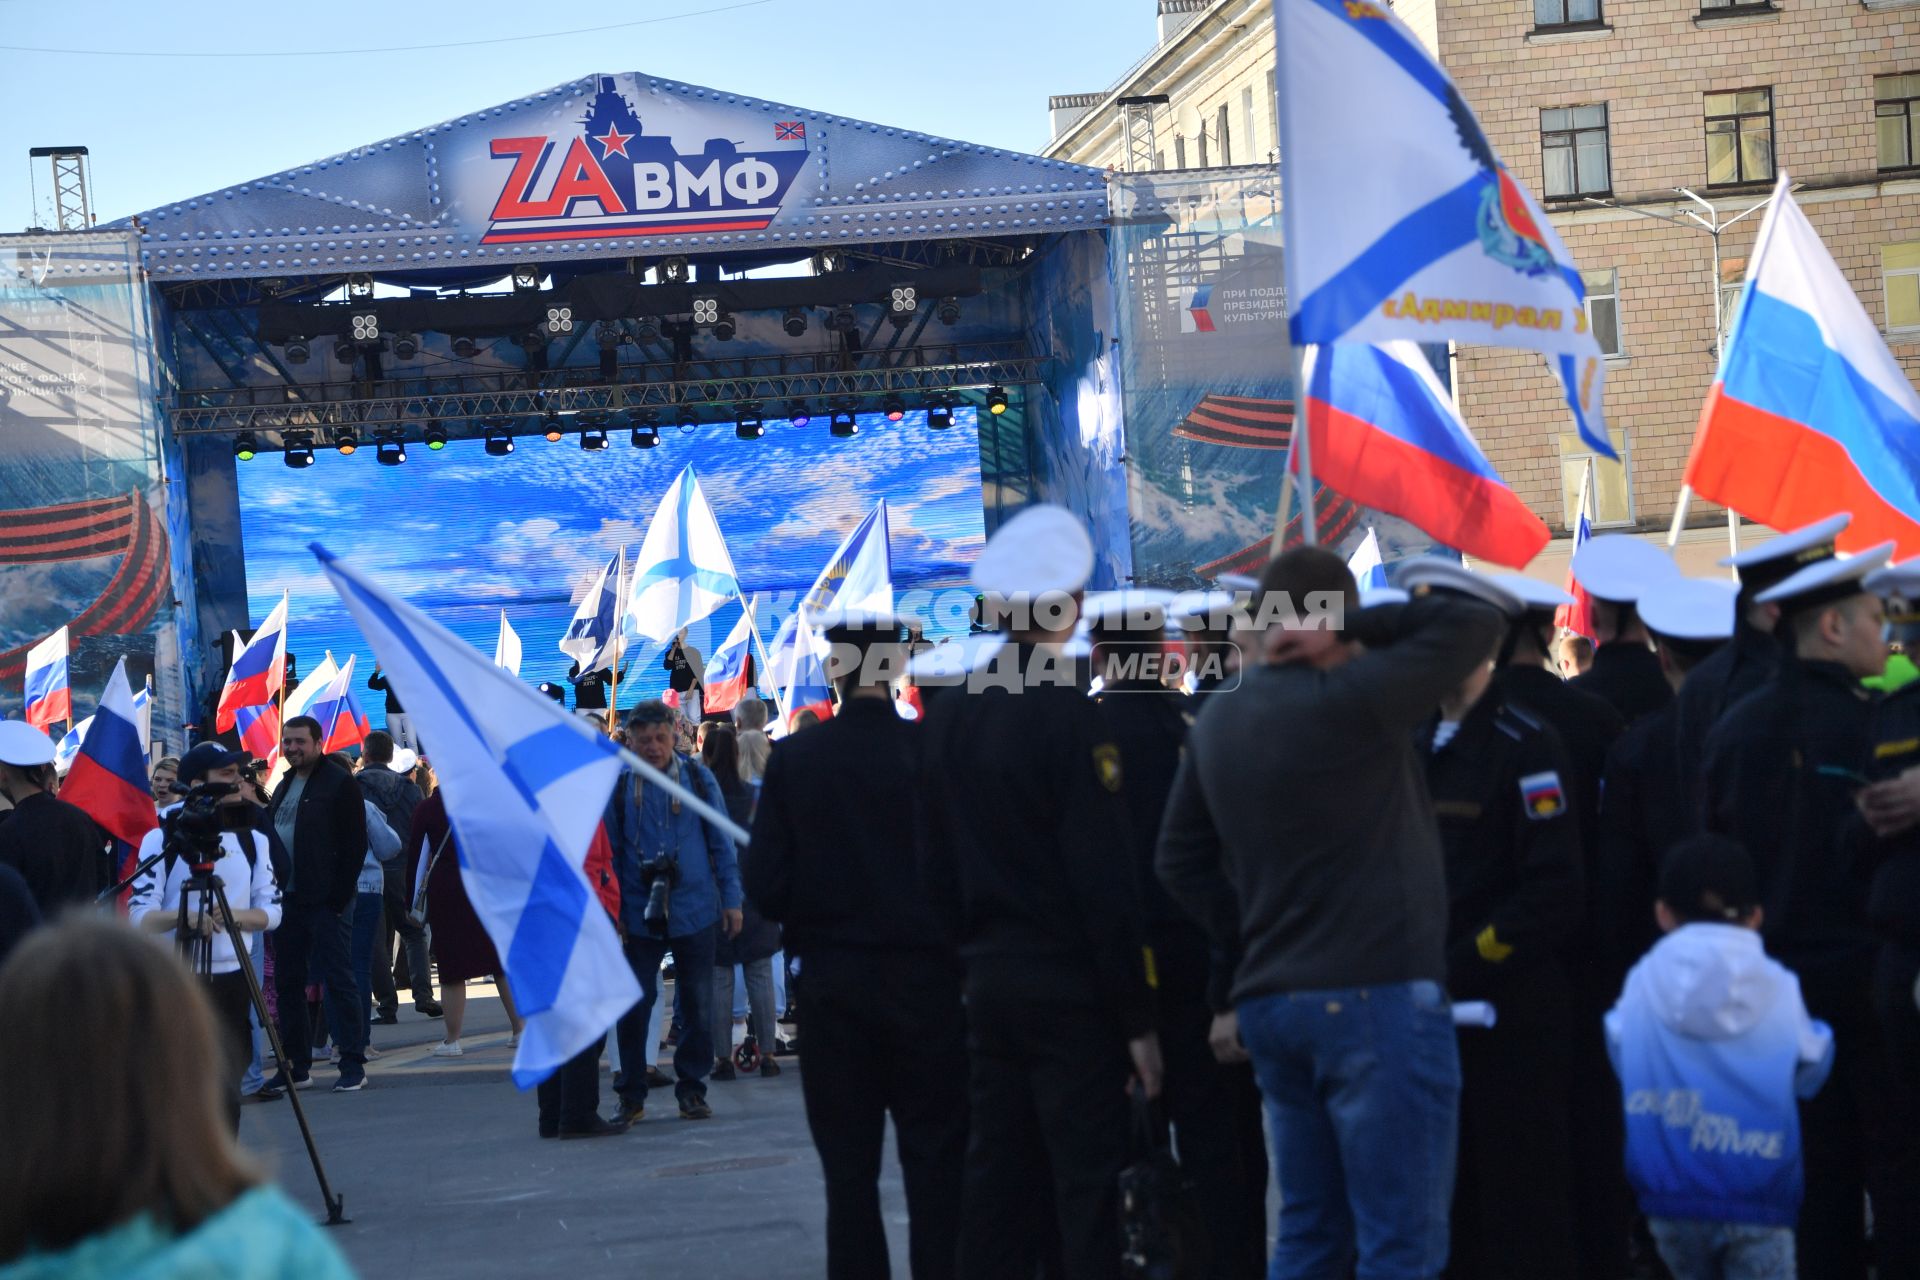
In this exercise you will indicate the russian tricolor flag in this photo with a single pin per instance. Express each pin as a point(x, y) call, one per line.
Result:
point(109, 775)
point(259, 671)
point(260, 732)
point(1810, 414)
point(342, 723)
point(729, 672)
point(1383, 431)
point(49, 693)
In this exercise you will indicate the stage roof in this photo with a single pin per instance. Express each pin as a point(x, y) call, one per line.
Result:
point(609, 167)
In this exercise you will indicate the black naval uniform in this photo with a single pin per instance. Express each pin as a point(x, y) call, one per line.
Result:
point(57, 850)
point(1643, 813)
point(1781, 770)
point(1512, 845)
point(1715, 684)
point(1589, 728)
point(1214, 1107)
point(1626, 676)
point(832, 859)
point(1893, 910)
point(1027, 846)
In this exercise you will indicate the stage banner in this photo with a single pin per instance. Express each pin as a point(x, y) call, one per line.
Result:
point(84, 539)
point(1206, 373)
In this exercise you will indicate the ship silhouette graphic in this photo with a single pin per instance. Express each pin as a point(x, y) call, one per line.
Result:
point(613, 178)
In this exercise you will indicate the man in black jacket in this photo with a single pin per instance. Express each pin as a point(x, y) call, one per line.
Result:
point(394, 794)
point(320, 815)
point(1614, 568)
point(398, 724)
point(54, 846)
point(832, 860)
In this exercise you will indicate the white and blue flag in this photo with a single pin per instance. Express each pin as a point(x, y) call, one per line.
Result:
point(1399, 218)
point(859, 575)
point(526, 784)
point(683, 571)
point(1369, 572)
point(592, 638)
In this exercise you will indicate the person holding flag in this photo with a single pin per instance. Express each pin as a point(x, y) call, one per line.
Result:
point(55, 846)
point(729, 673)
point(49, 692)
point(592, 637)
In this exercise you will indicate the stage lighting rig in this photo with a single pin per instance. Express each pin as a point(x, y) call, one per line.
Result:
point(405, 346)
point(748, 425)
point(346, 440)
point(553, 431)
point(647, 329)
point(948, 312)
point(366, 327)
point(939, 416)
point(842, 319)
point(299, 448)
point(436, 437)
point(298, 350)
point(798, 413)
point(389, 447)
point(593, 438)
point(245, 445)
point(526, 279)
point(841, 422)
point(359, 287)
point(499, 443)
point(559, 320)
point(706, 310)
point(345, 352)
point(902, 302)
point(894, 407)
point(646, 432)
point(996, 399)
point(794, 322)
point(673, 270)
point(465, 348)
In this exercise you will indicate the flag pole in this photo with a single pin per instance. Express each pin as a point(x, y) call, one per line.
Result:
point(619, 619)
point(753, 629)
point(1299, 448)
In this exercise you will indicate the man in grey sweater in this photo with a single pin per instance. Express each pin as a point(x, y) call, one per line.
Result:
point(1300, 836)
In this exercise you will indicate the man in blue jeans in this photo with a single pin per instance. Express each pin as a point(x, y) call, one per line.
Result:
point(1300, 836)
point(655, 838)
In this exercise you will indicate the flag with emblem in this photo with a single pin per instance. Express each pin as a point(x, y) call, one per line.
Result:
point(789, 131)
point(1543, 796)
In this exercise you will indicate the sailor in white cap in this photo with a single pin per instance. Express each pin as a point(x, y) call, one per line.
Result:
point(1783, 768)
point(831, 860)
point(1615, 568)
point(1300, 836)
point(1745, 663)
point(1214, 1107)
point(1025, 818)
point(1510, 835)
point(54, 846)
point(1644, 811)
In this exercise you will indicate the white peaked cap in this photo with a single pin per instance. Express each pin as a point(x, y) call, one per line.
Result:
point(1043, 549)
point(1690, 608)
point(1618, 567)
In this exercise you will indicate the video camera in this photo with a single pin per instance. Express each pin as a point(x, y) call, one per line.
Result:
point(659, 874)
point(193, 830)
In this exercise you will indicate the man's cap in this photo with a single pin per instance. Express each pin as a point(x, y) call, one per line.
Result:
point(1043, 549)
point(1900, 581)
point(204, 759)
point(1780, 558)
point(1534, 595)
point(1825, 581)
point(1618, 567)
point(1709, 877)
point(1435, 574)
point(1128, 611)
point(1689, 609)
point(405, 760)
point(854, 623)
point(23, 745)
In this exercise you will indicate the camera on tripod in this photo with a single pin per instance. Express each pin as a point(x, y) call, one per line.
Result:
point(193, 830)
point(659, 874)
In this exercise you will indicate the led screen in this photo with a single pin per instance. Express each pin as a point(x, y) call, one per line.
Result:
point(464, 535)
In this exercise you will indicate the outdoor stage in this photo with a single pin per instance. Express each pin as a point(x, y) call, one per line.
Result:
point(551, 306)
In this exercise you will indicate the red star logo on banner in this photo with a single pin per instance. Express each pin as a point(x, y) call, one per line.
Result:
point(613, 142)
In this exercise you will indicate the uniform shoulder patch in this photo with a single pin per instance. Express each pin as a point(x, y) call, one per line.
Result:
point(1888, 750)
point(1542, 796)
point(1106, 765)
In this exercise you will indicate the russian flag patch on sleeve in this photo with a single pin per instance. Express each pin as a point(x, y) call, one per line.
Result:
point(1542, 795)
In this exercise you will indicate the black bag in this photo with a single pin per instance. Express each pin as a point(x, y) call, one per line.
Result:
point(1162, 1236)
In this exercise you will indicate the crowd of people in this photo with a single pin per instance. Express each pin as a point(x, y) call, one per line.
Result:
point(1487, 954)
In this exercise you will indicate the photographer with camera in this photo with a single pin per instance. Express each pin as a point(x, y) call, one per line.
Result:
point(678, 878)
point(212, 826)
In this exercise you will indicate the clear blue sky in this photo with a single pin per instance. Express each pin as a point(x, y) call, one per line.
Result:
point(164, 128)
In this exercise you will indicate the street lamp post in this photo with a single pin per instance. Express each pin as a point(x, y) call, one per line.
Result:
point(1710, 223)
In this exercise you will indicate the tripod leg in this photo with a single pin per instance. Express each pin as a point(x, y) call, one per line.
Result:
point(336, 1204)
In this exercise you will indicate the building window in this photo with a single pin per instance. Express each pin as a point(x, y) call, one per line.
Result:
point(1896, 118)
point(1612, 498)
point(1246, 123)
point(1900, 269)
point(1573, 146)
point(1273, 113)
point(1566, 13)
point(1159, 161)
point(1603, 309)
point(1179, 152)
point(1721, 7)
point(1739, 137)
point(1223, 128)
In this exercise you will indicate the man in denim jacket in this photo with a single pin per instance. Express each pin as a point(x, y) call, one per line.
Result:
point(655, 834)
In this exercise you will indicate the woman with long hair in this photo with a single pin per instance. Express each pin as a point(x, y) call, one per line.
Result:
point(117, 1158)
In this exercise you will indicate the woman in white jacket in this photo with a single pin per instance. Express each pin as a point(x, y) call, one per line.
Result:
point(245, 872)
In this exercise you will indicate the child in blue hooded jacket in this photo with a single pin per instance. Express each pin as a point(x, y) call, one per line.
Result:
point(1713, 1046)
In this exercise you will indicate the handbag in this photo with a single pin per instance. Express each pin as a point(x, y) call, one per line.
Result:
point(1162, 1236)
point(417, 914)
